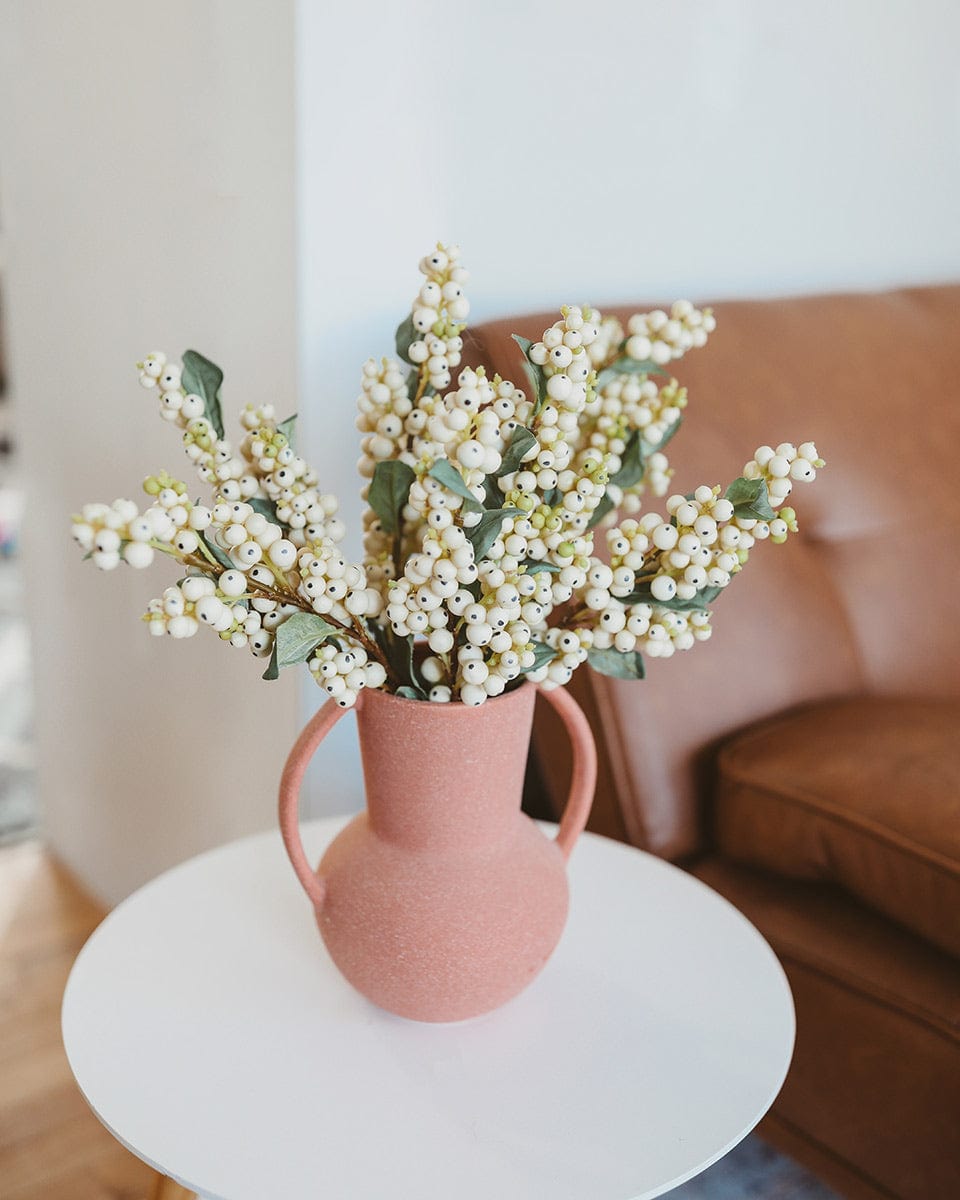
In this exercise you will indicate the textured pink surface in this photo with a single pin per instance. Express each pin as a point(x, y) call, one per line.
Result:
point(442, 900)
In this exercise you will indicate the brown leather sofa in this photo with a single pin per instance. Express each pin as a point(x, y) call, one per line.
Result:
point(805, 762)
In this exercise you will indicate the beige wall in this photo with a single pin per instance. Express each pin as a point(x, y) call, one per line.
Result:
point(148, 202)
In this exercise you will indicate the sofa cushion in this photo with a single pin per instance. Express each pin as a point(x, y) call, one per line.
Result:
point(864, 792)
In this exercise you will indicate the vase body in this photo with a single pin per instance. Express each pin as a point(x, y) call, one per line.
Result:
point(443, 900)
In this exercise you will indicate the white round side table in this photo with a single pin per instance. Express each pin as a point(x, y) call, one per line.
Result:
point(209, 1031)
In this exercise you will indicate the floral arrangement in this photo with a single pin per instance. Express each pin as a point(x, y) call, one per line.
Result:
point(483, 506)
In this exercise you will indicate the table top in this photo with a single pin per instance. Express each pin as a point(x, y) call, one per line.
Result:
point(209, 1031)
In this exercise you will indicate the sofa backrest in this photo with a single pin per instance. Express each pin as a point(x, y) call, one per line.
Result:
point(863, 599)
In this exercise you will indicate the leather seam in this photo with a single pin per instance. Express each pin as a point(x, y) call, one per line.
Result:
point(616, 752)
point(761, 729)
point(842, 817)
point(857, 987)
point(828, 1152)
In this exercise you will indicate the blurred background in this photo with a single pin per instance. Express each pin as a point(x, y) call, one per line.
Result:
point(259, 181)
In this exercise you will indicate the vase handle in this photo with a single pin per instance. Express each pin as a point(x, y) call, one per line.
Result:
point(313, 734)
point(584, 777)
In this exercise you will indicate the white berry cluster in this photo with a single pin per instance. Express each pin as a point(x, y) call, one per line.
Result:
point(343, 674)
point(679, 557)
point(471, 427)
point(433, 585)
point(562, 355)
point(485, 670)
point(657, 474)
point(606, 345)
point(697, 547)
point(495, 636)
point(629, 407)
point(104, 532)
point(475, 423)
point(198, 600)
point(783, 467)
point(291, 483)
point(183, 607)
point(702, 544)
point(120, 532)
point(630, 403)
point(249, 537)
point(438, 315)
point(238, 602)
point(382, 411)
point(661, 632)
point(213, 457)
point(659, 337)
point(644, 628)
point(267, 466)
point(482, 502)
point(334, 587)
point(173, 613)
point(556, 534)
point(571, 647)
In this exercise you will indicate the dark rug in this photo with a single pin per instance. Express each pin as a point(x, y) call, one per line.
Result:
point(754, 1171)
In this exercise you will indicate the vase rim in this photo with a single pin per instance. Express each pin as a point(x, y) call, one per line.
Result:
point(451, 709)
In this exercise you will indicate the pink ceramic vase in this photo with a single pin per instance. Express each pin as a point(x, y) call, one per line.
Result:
point(443, 900)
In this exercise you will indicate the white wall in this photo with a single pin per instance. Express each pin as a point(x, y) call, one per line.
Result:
point(147, 200)
point(612, 151)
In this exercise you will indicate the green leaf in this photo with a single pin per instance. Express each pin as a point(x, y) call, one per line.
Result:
point(535, 565)
point(668, 435)
point(446, 473)
point(520, 444)
point(298, 636)
point(538, 381)
point(389, 490)
point(482, 535)
point(613, 662)
point(289, 428)
point(411, 693)
point(542, 654)
point(273, 670)
point(397, 650)
point(203, 378)
point(492, 496)
point(697, 604)
point(628, 366)
point(605, 506)
point(266, 508)
point(406, 334)
point(524, 344)
point(413, 386)
point(632, 462)
point(220, 555)
point(749, 499)
point(552, 498)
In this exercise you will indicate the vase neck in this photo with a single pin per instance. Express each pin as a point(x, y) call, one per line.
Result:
point(442, 773)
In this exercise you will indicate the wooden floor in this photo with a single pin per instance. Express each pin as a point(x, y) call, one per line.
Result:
point(51, 1146)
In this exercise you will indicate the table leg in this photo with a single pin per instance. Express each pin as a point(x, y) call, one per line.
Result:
point(166, 1189)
